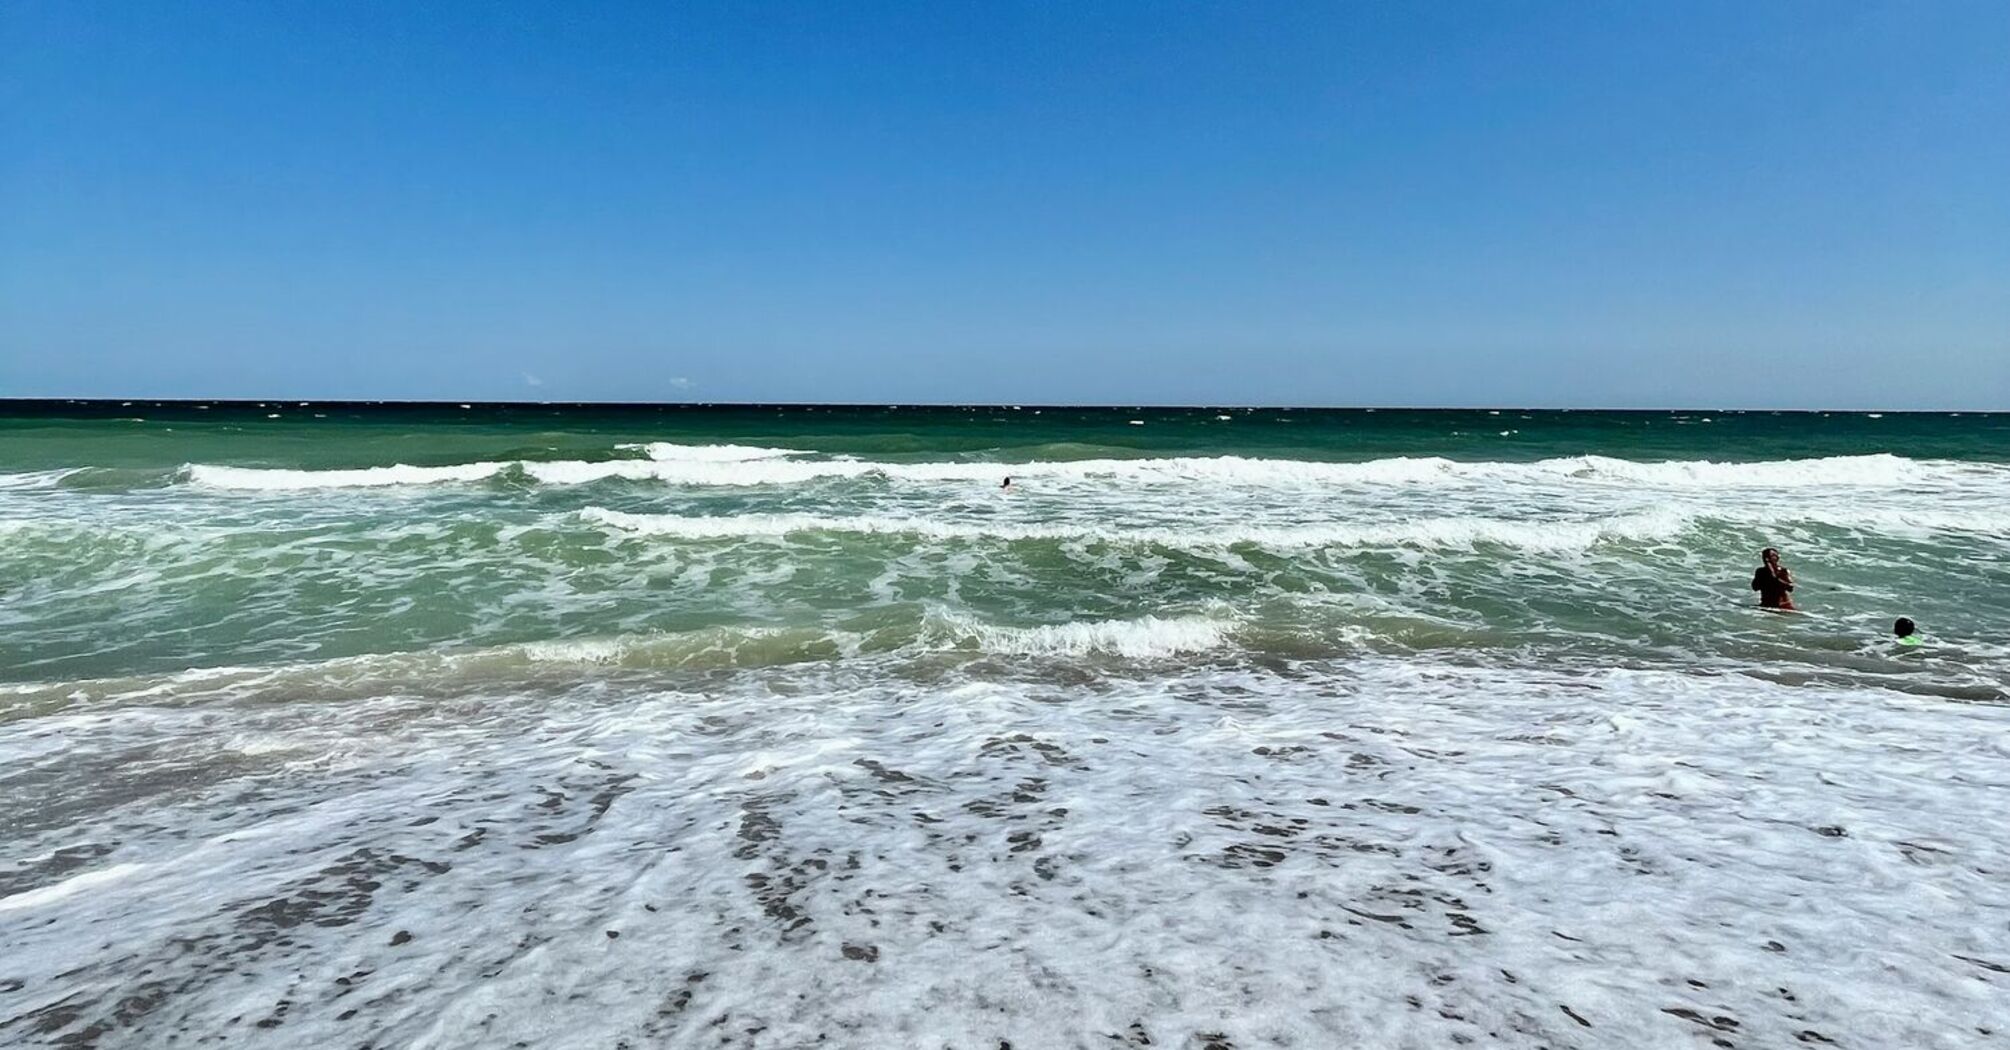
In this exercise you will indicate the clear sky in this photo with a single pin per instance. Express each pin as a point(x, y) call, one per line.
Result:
point(1545, 203)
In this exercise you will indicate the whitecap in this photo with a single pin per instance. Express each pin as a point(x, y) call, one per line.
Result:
point(1416, 532)
point(275, 479)
point(747, 466)
point(1146, 637)
point(671, 452)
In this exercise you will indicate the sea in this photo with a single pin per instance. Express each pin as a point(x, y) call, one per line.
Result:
point(472, 725)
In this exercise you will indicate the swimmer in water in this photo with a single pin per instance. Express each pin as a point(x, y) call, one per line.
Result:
point(1905, 631)
point(1007, 482)
point(1773, 582)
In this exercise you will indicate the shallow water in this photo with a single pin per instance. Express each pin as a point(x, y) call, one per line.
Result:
point(428, 726)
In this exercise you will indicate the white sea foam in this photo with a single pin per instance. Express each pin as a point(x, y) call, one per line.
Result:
point(1144, 637)
point(575, 472)
point(938, 631)
point(34, 479)
point(1898, 521)
point(1380, 853)
point(1147, 637)
point(85, 883)
point(272, 479)
point(1418, 532)
point(1873, 470)
point(744, 466)
point(772, 747)
point(670, 452)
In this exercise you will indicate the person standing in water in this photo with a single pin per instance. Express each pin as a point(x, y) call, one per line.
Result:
point(1773, 582)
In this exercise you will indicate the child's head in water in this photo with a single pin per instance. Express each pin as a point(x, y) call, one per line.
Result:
point(1905, 629)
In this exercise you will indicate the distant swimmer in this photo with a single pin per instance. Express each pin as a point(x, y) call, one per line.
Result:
point(1905, 631)
point(1007, 483)
point(1773, 582)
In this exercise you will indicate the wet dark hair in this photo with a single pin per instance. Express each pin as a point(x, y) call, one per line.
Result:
point(1769, 550)
point(1904, 627)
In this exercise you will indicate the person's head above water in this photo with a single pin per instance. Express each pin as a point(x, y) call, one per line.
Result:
point(1007, 483)
point(1773, 582)
point(1904, 627)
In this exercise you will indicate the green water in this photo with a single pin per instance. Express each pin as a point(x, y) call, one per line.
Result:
point(160, 435)
point(149, 538)
point(345, 725)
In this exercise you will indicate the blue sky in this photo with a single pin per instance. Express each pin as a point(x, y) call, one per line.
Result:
point(1777, 204)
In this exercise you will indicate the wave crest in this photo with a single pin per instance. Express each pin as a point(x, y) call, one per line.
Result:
point(275, 479)
point(750, 466)
point(557, 661)
point(671, 452)
point(1419, 532)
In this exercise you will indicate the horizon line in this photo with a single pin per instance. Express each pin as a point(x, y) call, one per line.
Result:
point(8, 402)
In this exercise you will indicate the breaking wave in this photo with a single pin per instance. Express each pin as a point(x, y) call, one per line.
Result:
point(746, 466)
point(1420, 532)
point(517, 665)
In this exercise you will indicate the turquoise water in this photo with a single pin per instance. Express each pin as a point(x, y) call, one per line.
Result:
point(927, 739)
point(182, 537)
